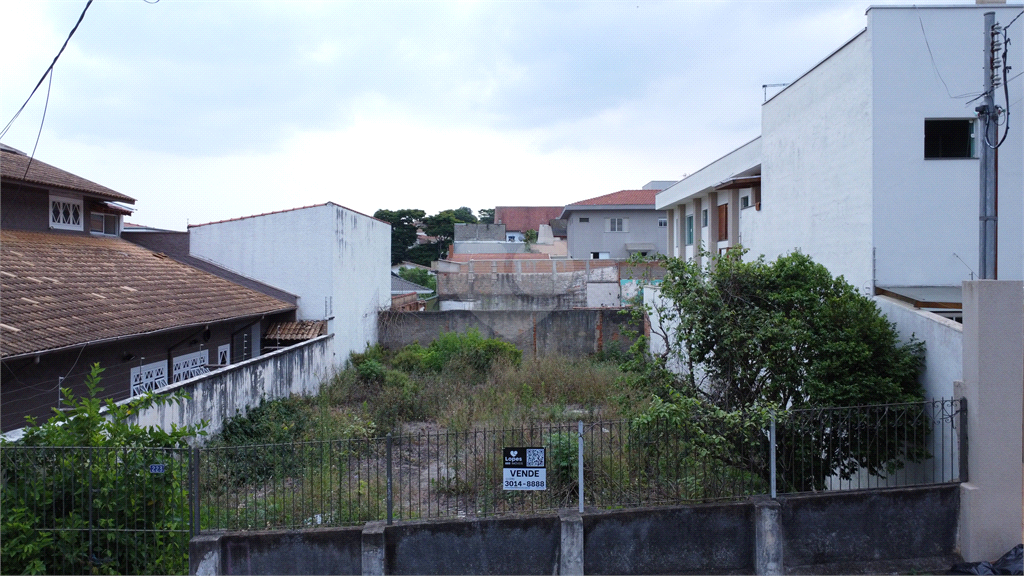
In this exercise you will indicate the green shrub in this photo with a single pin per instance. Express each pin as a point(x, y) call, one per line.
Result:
point(476, 352)
point(410, 358)
point(371, 370)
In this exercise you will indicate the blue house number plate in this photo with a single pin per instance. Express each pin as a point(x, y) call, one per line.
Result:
point(157, 468)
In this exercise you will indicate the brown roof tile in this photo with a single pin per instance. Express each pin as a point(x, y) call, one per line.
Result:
point(12, 167)
point(522, 218)
point(300, 330)
point(621, 198)
point(60, 290)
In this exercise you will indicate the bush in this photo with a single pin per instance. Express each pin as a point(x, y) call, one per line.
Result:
point(476, 352)
point(47, 476)
point(410, 358)
point(371, 371)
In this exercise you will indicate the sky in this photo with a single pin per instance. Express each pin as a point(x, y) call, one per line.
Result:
point(210, 110)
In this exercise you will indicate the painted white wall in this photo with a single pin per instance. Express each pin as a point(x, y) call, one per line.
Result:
point(943, 340)
point(739, 160)
point(335, 260)
point(925, 210)
point(816, 167)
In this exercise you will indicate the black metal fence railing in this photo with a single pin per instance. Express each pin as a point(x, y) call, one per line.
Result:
point(95, 510)
point(442, 474)
point(132, 510)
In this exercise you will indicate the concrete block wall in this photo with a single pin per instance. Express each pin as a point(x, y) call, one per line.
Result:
point(886, 530)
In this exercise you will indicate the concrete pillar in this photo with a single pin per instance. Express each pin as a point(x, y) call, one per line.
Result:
point(993, 367)
point(696, 230)
point(672, 214)
point(204, 555)
point(373, 548)
point(734, 217)
point(713, 223)
point(570, 560)
point(767, 537)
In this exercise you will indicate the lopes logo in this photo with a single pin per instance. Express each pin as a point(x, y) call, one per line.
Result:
point(513, 457)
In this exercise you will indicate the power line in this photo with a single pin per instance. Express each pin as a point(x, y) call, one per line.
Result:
point(48, 70)
point(46, 106)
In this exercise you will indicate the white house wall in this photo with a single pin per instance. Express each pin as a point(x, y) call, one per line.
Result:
point(816, 167)
point(927, 210)
point(335, 260)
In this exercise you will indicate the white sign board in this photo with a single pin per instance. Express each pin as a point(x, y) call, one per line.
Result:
point(524, 469)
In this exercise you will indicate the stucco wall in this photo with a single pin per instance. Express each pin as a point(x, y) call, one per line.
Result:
point(587, 237)
point(817, 166)
point(927, 210)
point(219, 395)
point(943, 340)
point(335, 260)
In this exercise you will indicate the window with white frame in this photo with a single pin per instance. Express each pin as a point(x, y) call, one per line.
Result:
point(616, 224)
point(662, 222)
point(704, 218)
point(65, 213)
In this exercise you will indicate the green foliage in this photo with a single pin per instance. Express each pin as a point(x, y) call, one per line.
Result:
point(442, 226)
point(410, 358)
point(77, 487)
point(486, 215)
point(419, 276)
point(530, 238)
point(563, 461)
point(371, 371)
point(403, 230)
point(271, 422)
point(470, 348)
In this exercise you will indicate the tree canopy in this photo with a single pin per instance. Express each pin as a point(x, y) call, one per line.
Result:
point(403, 230)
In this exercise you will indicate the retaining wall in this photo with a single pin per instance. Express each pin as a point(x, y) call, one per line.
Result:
point(578, 332)
point(886, 530)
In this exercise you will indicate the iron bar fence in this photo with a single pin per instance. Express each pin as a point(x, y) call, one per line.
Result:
point(132, 510)
point(86, 510)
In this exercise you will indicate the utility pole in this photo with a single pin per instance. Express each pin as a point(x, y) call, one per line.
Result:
point(987, 138)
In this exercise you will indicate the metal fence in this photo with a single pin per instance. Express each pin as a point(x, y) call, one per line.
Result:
point(433, 473)
point(132, 510)
point(95, 510)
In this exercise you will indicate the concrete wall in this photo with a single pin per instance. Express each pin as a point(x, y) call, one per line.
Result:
point(511, 291)
point(877, 531)
point(565, 332)
point(335, 260)
point(587, 237)
point(924, 211)
point(943, 340)
point(817, 167)
point(469, 232)
point(219, 395)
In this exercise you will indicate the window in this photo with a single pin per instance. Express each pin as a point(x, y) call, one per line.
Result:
point(510, 238)
point(662, 222)
point(723, 222)
point(600, 255)
point(689, 229)
point(949, 138)
point(65, 213)
point(704, 218)
point(103, 223)
point(616, 224)
point(745, 202)
point(584, 220)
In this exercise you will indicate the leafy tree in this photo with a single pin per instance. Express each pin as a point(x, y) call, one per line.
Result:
point(403, 230)
point(442, 226)
point(486, 215)
point(530, 238)
point(76, 488)
point(419, 276)
point(786, 335)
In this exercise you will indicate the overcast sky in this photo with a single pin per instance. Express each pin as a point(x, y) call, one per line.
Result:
point(209, 110)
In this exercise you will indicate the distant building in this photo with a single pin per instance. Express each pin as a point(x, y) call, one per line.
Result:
point(615, 225)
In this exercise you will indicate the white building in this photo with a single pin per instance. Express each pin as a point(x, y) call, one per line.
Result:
point(335, 260)
point(869, 164)
point(847, 169)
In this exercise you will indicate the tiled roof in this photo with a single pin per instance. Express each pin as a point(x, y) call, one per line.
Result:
point(400, 285)
point(621, 198)
point(522, 218)
point(301, 330)
point(12, 167)
point(61, 290)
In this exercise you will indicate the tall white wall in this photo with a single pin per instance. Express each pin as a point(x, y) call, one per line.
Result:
point(927, 210)
point(816, 167)
point(335, 260)
point(943, 339)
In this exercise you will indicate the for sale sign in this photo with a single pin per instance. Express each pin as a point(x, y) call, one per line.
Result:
point(524, 469)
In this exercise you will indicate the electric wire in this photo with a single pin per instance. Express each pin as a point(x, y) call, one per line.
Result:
point(46, 106)
point(48, 70)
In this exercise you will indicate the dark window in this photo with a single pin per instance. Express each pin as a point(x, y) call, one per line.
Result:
point(704, 218)
point(723, 222)
point(745, 202)
point(949, 139)
point(689, 229)
point(584, 220)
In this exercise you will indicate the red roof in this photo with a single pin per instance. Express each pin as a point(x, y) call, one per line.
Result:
point(523, 218)
point(621, 198)
point(13, 166)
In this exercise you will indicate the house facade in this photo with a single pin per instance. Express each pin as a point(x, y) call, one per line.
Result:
point(74, 293)
point(615, 226)
point(869, 162)
point(335, 260)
